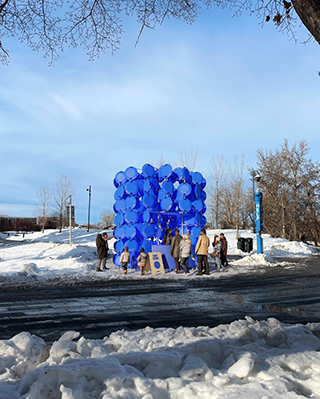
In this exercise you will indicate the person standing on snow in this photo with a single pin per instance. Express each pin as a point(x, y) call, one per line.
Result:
point(202, 249)
point(185, 252)
point(102, 249)
point(224, 250)
point(142, 260)
point(217, 253)
point(175, 249)
point(125, 259)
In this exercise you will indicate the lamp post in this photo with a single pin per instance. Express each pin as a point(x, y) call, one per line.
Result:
point(89, 189)
point(70, 218)
point(257, 198)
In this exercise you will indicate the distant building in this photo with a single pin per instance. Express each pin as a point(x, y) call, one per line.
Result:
point(13, 219)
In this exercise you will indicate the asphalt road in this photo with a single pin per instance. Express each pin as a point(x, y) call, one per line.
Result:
point(290, 294)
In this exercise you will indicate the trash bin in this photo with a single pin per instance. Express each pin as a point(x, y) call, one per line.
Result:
point(241, 244)
point(248, 246)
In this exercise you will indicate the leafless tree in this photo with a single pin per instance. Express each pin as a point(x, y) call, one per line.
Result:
point(291, 188)
point(43, 209)
point(160, 161)
point(62, 190)
point(216, 186)
point(107, 218)
point(51, 25)
point(188, 158)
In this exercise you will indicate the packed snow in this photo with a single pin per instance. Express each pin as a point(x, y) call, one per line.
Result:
point(40, 256)
point(245, 359)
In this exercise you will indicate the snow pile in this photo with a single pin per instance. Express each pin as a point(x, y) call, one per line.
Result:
point(256, 260)
point(293, 248)
point(244, 359)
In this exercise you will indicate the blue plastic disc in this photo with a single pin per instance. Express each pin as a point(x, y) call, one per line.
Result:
point(120, 205)
point(148, 200)
point(165, 172)
point(185, 189)
point(197, 219)
point(132, 245)
point(197, 178)
point(203, 220)
point(119, 193)
point(146, 245)
point(161, 195)
point(204, 183)
point(131, 232)
point(131, 216)
point(120, 178)
point(131, 187)
point(167, 187)
point(185, 205)
point(197, 205)
point(148, 231)
point(131, 173)
point(148, 170)
point(119, 219)
point(195, 231)
point(146, 216)
point(119, 233)
point(131, 202)
point(185, 175)
point(116, 260)
point(119, 246)
point(115, 183)
point(166, 204)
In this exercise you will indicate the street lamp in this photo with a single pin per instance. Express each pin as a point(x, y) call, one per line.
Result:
point(257, 198)
point(89, 189)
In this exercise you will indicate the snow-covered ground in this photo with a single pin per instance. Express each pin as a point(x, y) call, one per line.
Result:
point(38, 257)
point(246, 359)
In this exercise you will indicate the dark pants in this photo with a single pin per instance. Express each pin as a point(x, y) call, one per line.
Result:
point(185, 264)
point(177, 263)
point(224, 261)
point(124, 265)
point(203, 259)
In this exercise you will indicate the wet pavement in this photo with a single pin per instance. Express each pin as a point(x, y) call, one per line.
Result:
point(291, 294)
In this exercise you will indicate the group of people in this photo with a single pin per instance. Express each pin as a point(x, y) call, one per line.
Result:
point(180, 250)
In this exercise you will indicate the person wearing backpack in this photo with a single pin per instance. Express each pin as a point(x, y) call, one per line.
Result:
point(142, 260)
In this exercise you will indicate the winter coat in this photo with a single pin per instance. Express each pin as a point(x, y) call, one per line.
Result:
point(224, 246)
point(202, 245)
point(167, 239)
point(175, 249)
point(142, 259)
point(185, 248)
point(217, 248)
point(125, 257)
point(101, 247)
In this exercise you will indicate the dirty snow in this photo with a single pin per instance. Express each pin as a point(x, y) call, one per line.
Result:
point(245, 359)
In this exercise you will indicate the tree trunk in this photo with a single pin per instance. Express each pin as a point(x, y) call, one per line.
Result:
point(309, 13)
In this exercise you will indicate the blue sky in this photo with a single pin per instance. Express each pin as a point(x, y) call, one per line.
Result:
point(222, 85)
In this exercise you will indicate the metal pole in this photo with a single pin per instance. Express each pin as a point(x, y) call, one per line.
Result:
point(257, 197)
point(89, 189)
point(70, 220)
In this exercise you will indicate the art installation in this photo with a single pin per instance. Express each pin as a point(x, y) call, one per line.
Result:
point(150, 201)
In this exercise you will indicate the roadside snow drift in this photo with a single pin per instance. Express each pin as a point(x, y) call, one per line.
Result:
point(245, 359)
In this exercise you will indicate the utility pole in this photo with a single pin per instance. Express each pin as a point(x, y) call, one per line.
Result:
point(89, 189)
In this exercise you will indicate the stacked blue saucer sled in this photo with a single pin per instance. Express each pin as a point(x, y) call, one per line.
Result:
point(149, 202)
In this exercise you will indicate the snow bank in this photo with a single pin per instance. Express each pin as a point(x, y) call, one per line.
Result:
point(244, 359)
point(38, 258)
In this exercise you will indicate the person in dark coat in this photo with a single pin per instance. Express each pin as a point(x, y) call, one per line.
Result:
point(175, 249)
point(167, 237)
point(224, 250)
point(102, 249)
